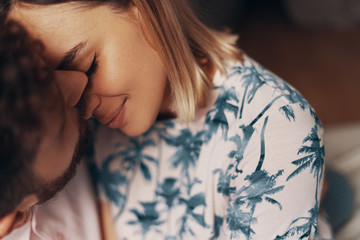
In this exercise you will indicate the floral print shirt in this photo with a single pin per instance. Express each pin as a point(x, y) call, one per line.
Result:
point(249, 166)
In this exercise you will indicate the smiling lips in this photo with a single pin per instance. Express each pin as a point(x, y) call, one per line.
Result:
point(115, 119)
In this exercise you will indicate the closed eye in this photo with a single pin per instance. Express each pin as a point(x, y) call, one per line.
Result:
point(92, 68)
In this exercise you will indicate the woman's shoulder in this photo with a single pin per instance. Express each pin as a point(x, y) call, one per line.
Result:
point(257, 110)
point(253, 90)
point(251, 76)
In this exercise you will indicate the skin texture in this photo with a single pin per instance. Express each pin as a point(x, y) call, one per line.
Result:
point(55, 163)
point(58, 145)
point(128, 67)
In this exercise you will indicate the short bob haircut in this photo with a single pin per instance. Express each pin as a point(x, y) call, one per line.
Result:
point(188, 48)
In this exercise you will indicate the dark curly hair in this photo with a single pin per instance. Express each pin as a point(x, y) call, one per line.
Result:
point(27, 92)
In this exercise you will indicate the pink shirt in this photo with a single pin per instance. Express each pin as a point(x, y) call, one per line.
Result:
point(71, 215)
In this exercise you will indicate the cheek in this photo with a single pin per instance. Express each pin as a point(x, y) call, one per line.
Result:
point(64, 152)
point(72, 133)
point(125, 71)
point(148, 69)
point(145, 101)
point(151, 80)
point(113, 74)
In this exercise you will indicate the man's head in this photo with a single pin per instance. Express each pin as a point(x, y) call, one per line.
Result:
point(39, 128)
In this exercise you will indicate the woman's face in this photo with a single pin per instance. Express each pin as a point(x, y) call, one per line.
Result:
point(127, 78)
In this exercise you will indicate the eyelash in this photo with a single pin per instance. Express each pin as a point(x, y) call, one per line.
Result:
point(92, 68)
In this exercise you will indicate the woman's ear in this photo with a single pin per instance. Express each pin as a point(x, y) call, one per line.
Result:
point(7, 223)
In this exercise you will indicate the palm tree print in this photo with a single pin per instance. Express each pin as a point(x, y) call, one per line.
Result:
point(262, 145)
point(192, 203)
point(239, 221)
point(188, 150)
point(252, 81)
point(255, 77)
point(148, 219)
point(161, 128)
point(218, 222)
point(168, 191)
point(263, 112)
point(305, 227)
point(223, 185)
point(110, 182)
point(288, 111)
point(169, 155)
point(170, 238)
point(315, 161)
point(216, 118)
point(241, 144)
point(294, 97)
point(260, 187)
point(133, 157)
point(314, 158)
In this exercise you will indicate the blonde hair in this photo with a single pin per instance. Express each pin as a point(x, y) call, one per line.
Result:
point(187, 48)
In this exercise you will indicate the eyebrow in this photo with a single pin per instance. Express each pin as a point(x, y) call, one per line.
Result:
point(70, 55)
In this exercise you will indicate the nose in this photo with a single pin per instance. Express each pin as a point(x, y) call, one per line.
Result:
point(72, 85)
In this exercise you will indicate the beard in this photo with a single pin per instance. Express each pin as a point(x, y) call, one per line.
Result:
point(51, 189)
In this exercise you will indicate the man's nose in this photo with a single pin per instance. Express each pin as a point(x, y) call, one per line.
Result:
point(72, 85)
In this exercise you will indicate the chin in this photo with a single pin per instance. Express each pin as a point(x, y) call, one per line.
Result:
point(135, 129)
point(133, 132)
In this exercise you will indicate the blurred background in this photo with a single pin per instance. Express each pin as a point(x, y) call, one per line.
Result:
point(315, 46)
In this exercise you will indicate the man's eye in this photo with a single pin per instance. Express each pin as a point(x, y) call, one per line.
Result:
point(92, 67)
